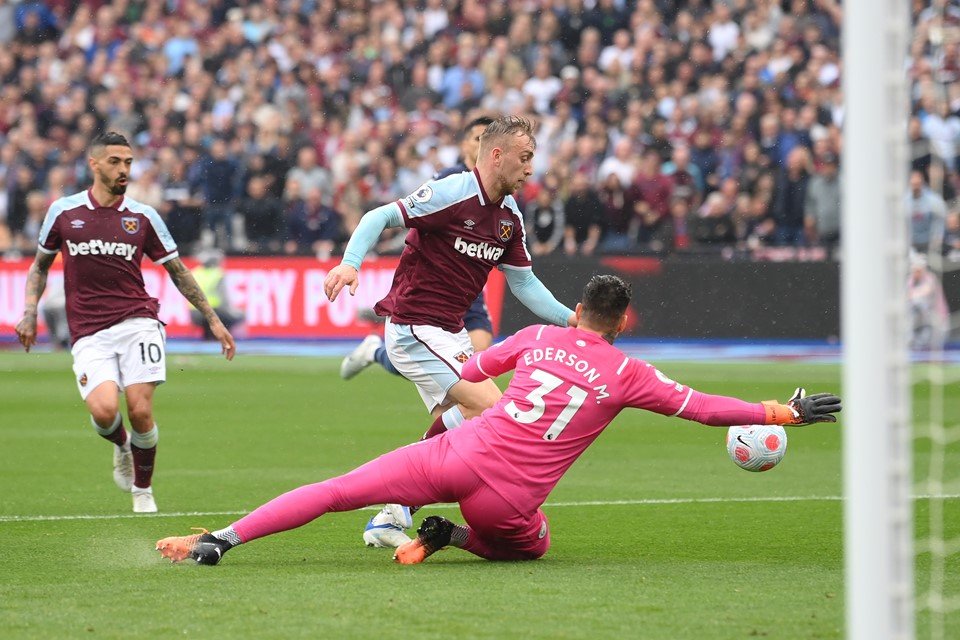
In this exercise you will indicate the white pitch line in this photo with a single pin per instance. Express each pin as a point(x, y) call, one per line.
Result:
point(549, 505)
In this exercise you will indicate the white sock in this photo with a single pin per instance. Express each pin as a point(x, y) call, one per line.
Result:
point(227, 535)
point(117, 420)
point(145, 440)
point(452, 417)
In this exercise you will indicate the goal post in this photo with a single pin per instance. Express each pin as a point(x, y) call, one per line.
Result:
point(878, 522)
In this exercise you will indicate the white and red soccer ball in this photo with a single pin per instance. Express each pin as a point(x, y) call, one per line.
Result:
point(756, 447)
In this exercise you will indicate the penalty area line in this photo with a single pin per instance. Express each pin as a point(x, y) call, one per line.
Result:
point(548, 505)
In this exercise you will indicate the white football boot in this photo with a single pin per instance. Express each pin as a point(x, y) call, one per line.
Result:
point(123, 466)
point(361, 357)
point(143, 500)
point(386, 528)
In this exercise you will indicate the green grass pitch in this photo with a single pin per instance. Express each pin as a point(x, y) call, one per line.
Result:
point(656, 534)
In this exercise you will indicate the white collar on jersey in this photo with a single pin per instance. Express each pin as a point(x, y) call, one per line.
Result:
point(88, 200)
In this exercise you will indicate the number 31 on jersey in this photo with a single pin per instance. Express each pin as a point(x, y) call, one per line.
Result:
point(548, 382)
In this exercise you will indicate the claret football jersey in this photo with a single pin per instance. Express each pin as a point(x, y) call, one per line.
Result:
point(102, 248)
point(457, 236)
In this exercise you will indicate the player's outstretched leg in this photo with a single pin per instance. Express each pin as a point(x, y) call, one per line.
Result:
point(203, 547)
point(361, 357)
point(434, 534)
point(386, 529)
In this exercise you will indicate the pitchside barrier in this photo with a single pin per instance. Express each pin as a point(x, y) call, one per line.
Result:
point(676, 298)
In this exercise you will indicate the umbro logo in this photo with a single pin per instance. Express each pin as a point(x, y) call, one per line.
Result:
point(469, 224)
point(77, 224)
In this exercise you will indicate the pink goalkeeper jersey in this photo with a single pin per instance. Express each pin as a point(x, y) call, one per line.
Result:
point(102, 248)
point(568, 386)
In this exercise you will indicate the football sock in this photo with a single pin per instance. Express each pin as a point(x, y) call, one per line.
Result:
point(458, 537)
point(115, 433)
point(452, 417)
point(228, 535)
point(380, 355)
point(436, 428)
point(144, 449)
point(449, 419)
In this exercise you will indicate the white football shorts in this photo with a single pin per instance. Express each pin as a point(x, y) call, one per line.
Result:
point(129, 352)
point(429, 357)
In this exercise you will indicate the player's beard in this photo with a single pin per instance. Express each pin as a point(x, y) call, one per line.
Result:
point(118, 189)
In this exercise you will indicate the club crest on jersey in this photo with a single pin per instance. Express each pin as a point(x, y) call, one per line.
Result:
point(130, 225)
point(461, 357)
point(506, 230)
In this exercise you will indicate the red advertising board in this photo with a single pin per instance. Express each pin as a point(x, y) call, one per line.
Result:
point(280, 297)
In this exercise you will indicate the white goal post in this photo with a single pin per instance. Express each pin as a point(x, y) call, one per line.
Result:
point(878, 521)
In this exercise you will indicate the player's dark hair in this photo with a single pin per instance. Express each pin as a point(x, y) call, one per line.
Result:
point(506, 127)
point(476, 122)
point(107, 139)
point(604, 301)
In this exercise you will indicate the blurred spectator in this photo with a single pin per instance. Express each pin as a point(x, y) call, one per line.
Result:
point(790, 198)
point(545, 221)
point(219, 178)
point(264, 223)
point(930, 314)
point(920, 154)
point(583, 218)
point(463, 84)
point(713, 224)
point(942, 128)
point(500, 64)
point(771, 141)
point(309, 175)
point(822, 209)
point(146, 188)
point(7, 28)
point(723, 31)
point(17, 208)
point(26, 241)
point(180, 206)
point(312, 227)
point(419, 89)
point(951, 236)
point(542, 87)
point(211, 279)
point(688, 181)
point(54, 308)
point(620, 226)
point(927, 213)
point(622, 164)
point(703, 155)
point(650, 196)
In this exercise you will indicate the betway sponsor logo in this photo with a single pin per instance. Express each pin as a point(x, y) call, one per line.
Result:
point(478, 249)
point(101, 248)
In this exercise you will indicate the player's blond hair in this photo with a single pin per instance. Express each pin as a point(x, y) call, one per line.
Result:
point(506, 127)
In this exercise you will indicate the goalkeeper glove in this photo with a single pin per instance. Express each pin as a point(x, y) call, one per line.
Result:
point(803, 409)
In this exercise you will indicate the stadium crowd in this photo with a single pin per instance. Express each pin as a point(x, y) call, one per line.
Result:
point(271, 127)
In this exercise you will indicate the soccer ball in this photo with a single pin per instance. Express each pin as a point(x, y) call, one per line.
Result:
point(756, 447)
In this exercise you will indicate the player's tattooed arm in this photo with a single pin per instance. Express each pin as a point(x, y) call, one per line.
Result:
point(36, 282)
point(187, 285)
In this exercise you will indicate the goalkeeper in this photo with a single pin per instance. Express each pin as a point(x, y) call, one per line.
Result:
point(569, 384)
